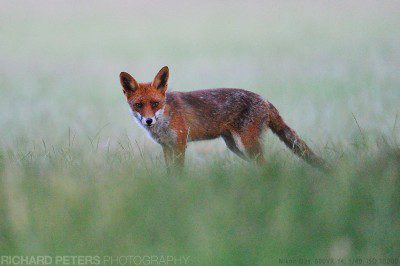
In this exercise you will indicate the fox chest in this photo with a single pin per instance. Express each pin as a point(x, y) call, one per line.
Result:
point(162, 133)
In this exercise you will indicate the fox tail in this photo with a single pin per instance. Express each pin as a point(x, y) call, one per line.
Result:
point(293, 141)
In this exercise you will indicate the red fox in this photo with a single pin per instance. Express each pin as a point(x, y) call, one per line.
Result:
point(238, 116)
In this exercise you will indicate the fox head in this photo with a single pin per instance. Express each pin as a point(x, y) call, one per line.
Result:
point(146, 100)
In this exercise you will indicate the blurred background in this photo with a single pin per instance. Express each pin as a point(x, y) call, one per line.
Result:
point(318, 62)
point(330, 67)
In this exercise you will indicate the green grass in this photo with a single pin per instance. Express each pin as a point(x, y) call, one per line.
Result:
point(228, 212)
point(77, 176)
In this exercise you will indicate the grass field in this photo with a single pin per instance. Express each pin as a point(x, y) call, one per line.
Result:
point(78, 177)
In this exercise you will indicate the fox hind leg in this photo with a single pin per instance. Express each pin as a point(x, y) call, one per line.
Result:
point(231, 144)
point(252, 143)
point(255, 151)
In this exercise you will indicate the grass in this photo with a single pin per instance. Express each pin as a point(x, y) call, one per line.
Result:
point(228, 212)
point(77, 178)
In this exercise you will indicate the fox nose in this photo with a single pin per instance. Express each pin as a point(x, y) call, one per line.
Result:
point(149, 121)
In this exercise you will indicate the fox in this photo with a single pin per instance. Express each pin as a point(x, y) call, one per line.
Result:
point(240, 117)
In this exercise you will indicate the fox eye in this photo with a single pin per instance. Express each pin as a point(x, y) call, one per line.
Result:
point(138, 105)
point(154, 104)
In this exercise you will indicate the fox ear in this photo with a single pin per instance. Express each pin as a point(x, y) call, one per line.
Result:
point(129, 84)
point(160, 82)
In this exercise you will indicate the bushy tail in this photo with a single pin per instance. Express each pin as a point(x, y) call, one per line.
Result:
point(293, 141)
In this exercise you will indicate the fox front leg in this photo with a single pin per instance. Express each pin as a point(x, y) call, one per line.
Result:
point(168, 156)
point(174, 157)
